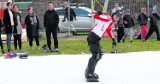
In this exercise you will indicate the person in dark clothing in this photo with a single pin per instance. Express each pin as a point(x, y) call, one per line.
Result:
point(32, 23)
point(9, 22)
point(17, 33)
point(120, 29)
point(1, 42)
point(142, 20)
point(153, 24)
point(51, 21)
point(72, 17)
point(128, 23)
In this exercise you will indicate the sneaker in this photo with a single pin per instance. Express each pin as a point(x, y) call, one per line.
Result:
point(15, 50)
point(90, 75)
point(56, 50)
point(21, 50)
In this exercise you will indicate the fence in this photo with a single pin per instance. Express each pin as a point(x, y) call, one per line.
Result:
point(40, 6)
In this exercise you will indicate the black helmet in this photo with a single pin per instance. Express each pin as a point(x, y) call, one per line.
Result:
point(118, 13)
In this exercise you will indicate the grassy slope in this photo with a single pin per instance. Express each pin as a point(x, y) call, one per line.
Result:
point(79, 46)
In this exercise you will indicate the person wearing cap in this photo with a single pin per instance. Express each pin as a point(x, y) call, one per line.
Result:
point(72, 17)
point(128, 24)
point(120, 28)
point(104, 25)
point(154, 17)
point(9, 22)
point(142, 20)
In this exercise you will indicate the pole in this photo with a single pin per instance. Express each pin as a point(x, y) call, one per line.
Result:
point(148, 6)
point(105, 5)
point(92, 7)
point(69, 17)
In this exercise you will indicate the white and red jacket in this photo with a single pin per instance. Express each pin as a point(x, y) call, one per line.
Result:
point(104, 25)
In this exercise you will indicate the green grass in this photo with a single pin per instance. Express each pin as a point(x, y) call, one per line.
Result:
point(79, 46)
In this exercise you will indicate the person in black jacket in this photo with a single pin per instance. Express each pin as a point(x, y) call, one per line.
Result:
point(9, 23)
point(32, 23)
point(142, 20)
point(1, 42)
point(51, 21)
point(128, 23)
point(153, 24)
point(17, 33)
point(120, 29)
point(72, 17)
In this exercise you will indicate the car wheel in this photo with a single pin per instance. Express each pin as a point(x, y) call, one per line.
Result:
point(74, 33)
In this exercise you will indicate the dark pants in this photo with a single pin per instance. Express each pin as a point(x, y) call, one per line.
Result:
point(31, 40)
point(120, 33)
point(1, 42)
point(17, 38)
point(52, 31)
point(152, 29)
point(94, 44)
point(8, 39)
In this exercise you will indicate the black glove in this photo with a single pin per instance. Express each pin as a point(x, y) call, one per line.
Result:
point(113, 42)
point(63, 20)
point(99, 12)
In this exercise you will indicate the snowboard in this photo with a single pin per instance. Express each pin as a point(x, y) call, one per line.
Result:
point(92, 80)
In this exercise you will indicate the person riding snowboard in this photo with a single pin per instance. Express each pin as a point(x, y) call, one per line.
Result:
point(104, 25)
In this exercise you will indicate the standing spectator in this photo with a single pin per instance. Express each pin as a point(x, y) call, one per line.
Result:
point(119, 24)
point(1, 42)
point(128, 23)
point(51, 21)
point(120, 29)
point(17, 29)
point(116, 7)
point(9, 22)
point(142, 20)
point(2, 11)
point(153, 24)
point(72, 17)
point(1, 24)
point(32, 23)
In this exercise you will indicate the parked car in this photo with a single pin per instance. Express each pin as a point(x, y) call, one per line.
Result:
point(82, 22)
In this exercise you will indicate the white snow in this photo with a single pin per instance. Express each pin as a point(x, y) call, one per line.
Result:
point(129, 68)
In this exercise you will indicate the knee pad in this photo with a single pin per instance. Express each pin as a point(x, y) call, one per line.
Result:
point(97, 56)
